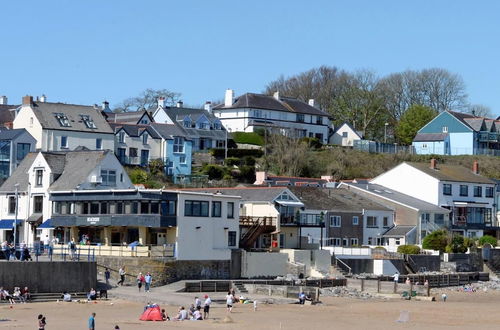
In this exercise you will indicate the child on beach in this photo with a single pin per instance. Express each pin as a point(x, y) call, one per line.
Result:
point(206, 306)
point(229, 301)
point(41, 322)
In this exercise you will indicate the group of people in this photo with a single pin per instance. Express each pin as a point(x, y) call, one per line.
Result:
point(194, 312)
point(143, 280)
point(9, 251)
point(22, 296)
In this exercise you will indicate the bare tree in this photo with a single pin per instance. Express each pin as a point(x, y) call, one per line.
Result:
point(286, 156)
point(479, 110)
point(147, 99)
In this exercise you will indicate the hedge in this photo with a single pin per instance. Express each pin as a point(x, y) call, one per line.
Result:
point(248, 138)
point(408, 249)
point(239, 153)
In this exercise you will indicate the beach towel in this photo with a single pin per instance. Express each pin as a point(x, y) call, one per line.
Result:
point(152, 314)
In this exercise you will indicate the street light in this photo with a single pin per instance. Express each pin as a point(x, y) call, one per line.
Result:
point(385, 132)
point(15, 215)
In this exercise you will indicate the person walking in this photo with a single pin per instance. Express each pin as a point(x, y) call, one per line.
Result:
point(140, 281)
point(122, 273)
point(41, 322)
point(72, 248)
point(229, 302)
point(148, 280)
point(92, 322)
point(395, 277)
point(107, 276)
point(6, 250)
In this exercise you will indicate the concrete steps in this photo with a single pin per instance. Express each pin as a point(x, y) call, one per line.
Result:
point(240, 287)
point(48, 297)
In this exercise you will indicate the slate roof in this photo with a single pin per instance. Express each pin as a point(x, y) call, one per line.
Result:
point(131, 117)
point(72, 171)
point(334, 200)
point(475, 123)
point(6, 113)
point(169, 131)
point(471, 121)
point(398, 231)
point(446, 172)
point(261, 101)
point(397, 197)
point(255, 194)
point(19, 175)
point(10, 134)
point(44, 112)
point(423, 137)
point(135, 130)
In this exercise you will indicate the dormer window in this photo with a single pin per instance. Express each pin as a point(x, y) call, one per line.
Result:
point(187, 123)
point(88, 121)
point(62, 119)
point(205, 126)
point(217, 125)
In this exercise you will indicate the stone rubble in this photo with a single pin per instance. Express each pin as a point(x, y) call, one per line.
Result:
point(342, 291)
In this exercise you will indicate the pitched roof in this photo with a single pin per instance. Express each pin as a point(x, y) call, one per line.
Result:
point(9, 134)
point(396, 197)
point(45, 113)
point(7, 113)
point(20, 174)
point(261, 101)
point(398, 231)
point(169, 131)
point(131, 117)
point(72, 173)
point(135, 130)
point(254, 194)
point(358, 133)
point(423, 137)
point(475, 123)
point(446, 172)
point(334, 200)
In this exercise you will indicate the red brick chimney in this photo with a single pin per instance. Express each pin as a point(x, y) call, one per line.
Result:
point(475, 167)
point(27, 100)
point(433, 163)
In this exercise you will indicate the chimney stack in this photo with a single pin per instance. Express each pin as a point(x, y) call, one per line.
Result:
point(27, 100)
point(312, 103)
point(260, 177)
point(43, 98)
point(475, 167)
point(105, 106)
point(161, 102)
point(180, 104)
point(229, 98)
point(3, 99)
point(433, 164)
point(208, 106)
point(276, 95)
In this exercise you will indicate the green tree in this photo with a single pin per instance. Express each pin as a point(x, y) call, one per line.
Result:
point(457, 245)
point(487, 239)
point(437, 240)
point(412, 121)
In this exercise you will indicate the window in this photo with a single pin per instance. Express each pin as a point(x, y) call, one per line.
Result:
point(182, 159)
point(371, 222)
point(424, 145)
point(178, 144)
point(282, 241)
point(187, 123)
point(464, 190)
point(132, 152)
point(354, 241)
point(445, 129)
point(62, 119)
point(216, 209)
point(144, 157)
point(121, 137)
point(344, 134)
point(478, 191)
point(300, 118)
point(57, 207)
point(12, 204)
point(489, 192)
point(98, 144)
point(134, 208)
point(119, 208)
point(168, 208)
point(155, 208)
point(122, 155)
point(144, 208)
point(104, 208)
point(121, 177)
point(370, 240)
point(108, 177)
point(31, 121)
point(22, 150)
point(64, 142)
point(447, 189)
point(231, 238)
point(386, 222)
point(38, 204)
point(145, 138)
point(397, 241)
point(257, 113)
point(196, 208)
point(335, 221)
point(336, 241)
point(39, 178)
point(87, 120)
point(217, 125)
point(355, 220)
point(85, 208)
point(345, 242)
point(319, 120)
point(230, 210)
point(94, 208)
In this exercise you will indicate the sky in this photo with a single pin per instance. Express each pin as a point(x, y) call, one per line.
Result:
point(84, 52)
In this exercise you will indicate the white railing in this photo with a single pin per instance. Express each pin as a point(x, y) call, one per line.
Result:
point(343, 251)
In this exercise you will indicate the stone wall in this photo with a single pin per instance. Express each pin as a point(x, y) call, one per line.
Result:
point(53, 277)
point(263, 264)
point(462, 262)
point(429, 262)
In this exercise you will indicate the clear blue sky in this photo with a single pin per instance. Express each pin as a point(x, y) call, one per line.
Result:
point(88, 51)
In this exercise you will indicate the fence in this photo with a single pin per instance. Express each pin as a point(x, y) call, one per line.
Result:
point(378, 147)
point(87, 252)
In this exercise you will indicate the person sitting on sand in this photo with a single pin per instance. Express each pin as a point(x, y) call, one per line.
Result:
point(164, 315)
point(191, 309)
point(8, 297)
point(17, 294)
point(197, 315)
point(182, 315)
point(66, 297)
point(26, 293)
point(92, 295)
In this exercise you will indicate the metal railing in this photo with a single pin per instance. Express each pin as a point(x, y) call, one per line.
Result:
point(343, 266)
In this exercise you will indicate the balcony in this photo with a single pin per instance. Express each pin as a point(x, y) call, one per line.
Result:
point(460, 222)
point(304, 220)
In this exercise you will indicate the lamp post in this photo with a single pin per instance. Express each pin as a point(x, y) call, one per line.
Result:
point(321, 222)
point(15, 215)
point(385, 132)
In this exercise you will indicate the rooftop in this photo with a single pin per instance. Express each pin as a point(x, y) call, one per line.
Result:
point(444, 172)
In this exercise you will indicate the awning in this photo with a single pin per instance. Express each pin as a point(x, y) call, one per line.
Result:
point(46, 225)
point(35, 218)
point(9, 224)
point(466, 204)
point(286, 203)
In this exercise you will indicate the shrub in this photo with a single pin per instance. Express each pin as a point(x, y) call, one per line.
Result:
point(314, 143)
point(138, 175)
point(230, 161)
point(409, 249)
point(248, 138)
point(436, 240)
point(487, 239)
point(214, 172)
point(239, 153)
point(249, 160)
point(457, 244)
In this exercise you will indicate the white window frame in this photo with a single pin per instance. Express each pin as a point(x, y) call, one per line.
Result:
point(335, 221)
point(345, 241)
point(178, 146)
point(145, 138)
point(64, 145)
point(121, 137)
point(98, 144)
point(445, 129)
point(355, 220)
point(336, 241)
point(182, 160)
point(376, 221)
point(354, 241)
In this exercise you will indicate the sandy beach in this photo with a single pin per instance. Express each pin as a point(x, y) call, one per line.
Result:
point(462, 310)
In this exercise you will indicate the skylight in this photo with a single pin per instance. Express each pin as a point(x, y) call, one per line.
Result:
point(62, 119)
point(88, 121)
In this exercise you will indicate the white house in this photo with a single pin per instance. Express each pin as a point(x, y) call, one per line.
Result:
point(467, 194)
point(345, 135)
point(136, 144)
point(286, 115)
point(64, 127)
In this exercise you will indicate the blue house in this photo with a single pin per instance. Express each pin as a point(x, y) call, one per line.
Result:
point(455, 133)
point(177, 149)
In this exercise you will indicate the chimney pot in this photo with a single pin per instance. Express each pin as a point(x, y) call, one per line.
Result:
point(208, 106)
point(180, 104)
point(433, 163)
point(312, 103)
point(475, 167)
point(105, 106)
point(27, 100)
point(161, 101)
point(43, 98)
point(276, 95)
point(3, 99)
point(229, 98)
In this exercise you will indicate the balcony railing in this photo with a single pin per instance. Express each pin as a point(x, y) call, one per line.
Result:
point(302, 220)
